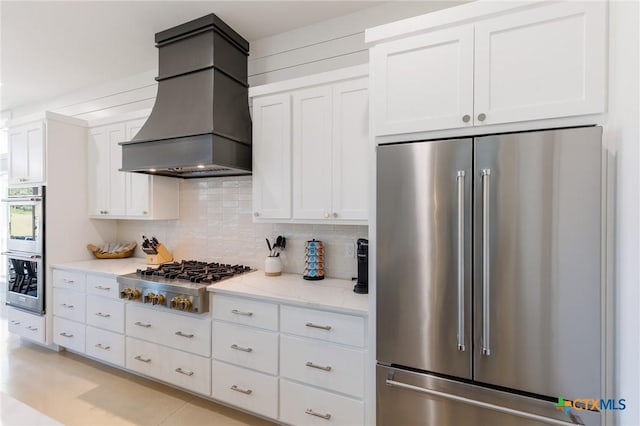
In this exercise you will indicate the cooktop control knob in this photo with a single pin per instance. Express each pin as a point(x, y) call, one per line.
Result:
point(175, 302)
point(130, 293)
point(149, 298)
point(158, 299)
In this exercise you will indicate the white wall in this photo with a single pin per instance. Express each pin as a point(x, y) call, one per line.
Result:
point(621, 136)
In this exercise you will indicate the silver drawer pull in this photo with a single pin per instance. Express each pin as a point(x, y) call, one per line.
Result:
point(99, 287)
point(141, 324)
point(139, 358)
point(185, 372)
point(246, 314)
point(240, 348)
point(106, 348)
point(180, 333)
point(32, 328)
point(65, 334)
point(319, 367)
point(323, 327)
point(310, 412)
point(68, 281)
point(14, 322)
point(100, 314)
point(238, 389)
point(67, 306)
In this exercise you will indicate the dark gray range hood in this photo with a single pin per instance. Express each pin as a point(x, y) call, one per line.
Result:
point(200, 124)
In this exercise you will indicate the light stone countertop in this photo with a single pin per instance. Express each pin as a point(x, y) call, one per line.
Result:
point(105, 266)
point(330, 293)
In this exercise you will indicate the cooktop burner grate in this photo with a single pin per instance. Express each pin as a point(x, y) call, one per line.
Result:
point(194, 271)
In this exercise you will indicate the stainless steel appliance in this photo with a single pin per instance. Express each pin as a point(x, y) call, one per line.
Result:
point(25, 253)
point(178, 285)
point(200, 124)
point(489, 279)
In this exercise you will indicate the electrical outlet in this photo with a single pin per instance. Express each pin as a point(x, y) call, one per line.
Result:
point(349, 250)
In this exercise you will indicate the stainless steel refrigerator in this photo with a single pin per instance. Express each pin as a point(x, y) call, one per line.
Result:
point(488, 279)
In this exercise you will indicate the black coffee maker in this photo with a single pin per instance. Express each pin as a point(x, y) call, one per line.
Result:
point(362, 253)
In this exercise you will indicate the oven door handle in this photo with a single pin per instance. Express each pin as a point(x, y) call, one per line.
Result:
point(22, 199)
point(21, 256)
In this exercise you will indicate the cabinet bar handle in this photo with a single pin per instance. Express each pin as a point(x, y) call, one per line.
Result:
point(65, 334)
point(32, 328)
point(100, 314)
point(180, 333)
point(106, 348)
point(239, 389)
point(67, 306)
point(185, 372)
point(99, 287)
point(461, 239)
point(319, 367)
point(139, 358)
point(68, 281)
point(141, 324)
point(323, 327)
point(246, 314)
point(486, 229)
point(14, 322)
point(240, 348)
point(310, 412)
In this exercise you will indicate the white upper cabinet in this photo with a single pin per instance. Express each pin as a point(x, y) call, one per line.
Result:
point(121, 195)
point(311, 149)
point(524, 63)
point(27, 153)
point(423, 82)
point(272, 157)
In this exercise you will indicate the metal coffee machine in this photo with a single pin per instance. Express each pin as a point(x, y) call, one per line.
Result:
point(362, 254)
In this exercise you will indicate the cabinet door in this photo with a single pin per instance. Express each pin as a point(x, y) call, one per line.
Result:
point(424, 82)
point(350, 150)
point(26, 153)
point(311, 173)
point(542, 63)
point(116, 133)
point(272, 157)
point(107, 184)
point(137, 184)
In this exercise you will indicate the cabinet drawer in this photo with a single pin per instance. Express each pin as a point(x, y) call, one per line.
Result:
point(144, 357)
point(303, 405)
point(26, 325)
point(247, 312)
point(339, 328)
point(69, 279)
point(325, 365)
point(69, 334)
point(244, 346)
point(101, 285)
point(69, 304)
point(105, 313)
point(189, 371)
point(175, 330)
point(105, 345)
point(246, 389)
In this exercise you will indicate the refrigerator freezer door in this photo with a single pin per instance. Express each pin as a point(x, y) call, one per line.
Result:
point(537, 262)
point(424, 256)
point(412, 399)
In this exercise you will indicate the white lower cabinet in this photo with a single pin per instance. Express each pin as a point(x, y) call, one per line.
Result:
point(182, 369)
point(245, 388)
point(304, 405)
point(69, 334)
point(245, 346)
point(24, 324)
point(105, 345)
point(105, 313)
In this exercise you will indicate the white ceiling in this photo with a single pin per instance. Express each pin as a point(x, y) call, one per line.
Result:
point(50, 48)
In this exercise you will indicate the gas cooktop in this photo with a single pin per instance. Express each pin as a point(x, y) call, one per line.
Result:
point(178, 285)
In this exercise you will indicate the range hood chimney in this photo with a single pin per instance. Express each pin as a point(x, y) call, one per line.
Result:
point(200, 124)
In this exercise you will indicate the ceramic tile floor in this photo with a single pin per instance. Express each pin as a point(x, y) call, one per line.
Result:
point(74, 390)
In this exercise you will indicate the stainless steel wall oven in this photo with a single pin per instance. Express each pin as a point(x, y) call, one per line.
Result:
point(25, 248)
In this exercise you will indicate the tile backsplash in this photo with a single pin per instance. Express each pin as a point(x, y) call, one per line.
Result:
point(216, 224)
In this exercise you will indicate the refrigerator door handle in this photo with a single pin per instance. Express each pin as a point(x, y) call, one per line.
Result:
point(460, 182)
point(547, 420)
point(486, 230)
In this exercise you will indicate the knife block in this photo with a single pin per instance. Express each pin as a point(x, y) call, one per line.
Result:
point(163, 256)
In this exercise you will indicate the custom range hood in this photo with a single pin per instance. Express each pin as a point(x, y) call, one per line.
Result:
point(200, 124)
